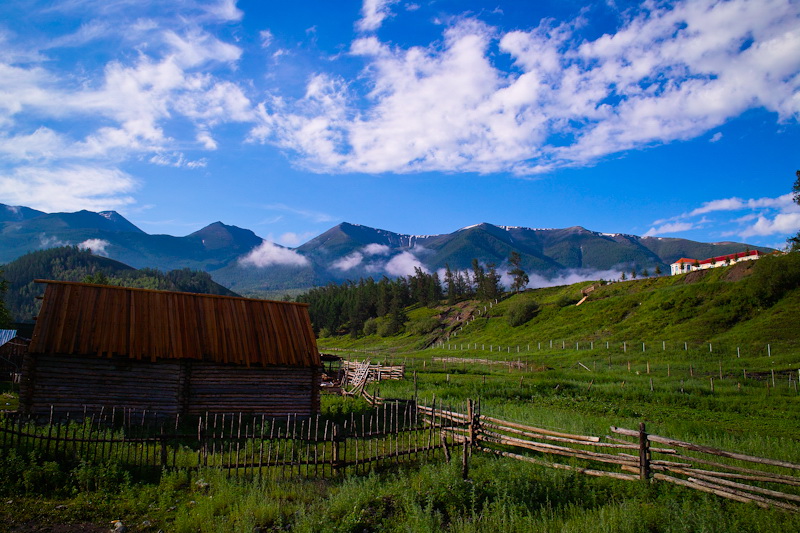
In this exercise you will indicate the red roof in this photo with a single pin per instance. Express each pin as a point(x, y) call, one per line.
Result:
point(738, 255)
point(719, 258)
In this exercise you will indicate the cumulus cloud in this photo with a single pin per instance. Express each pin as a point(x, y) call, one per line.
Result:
point(358, 258)
point(376, 249)
point(373, 13)
point(270, 254)
point(783, 223)
point(670, 227)
point(716, 137)
point(125, 108)
point(755, 217)
point(404, 264)
point(348, 262)
point(71, 188)
point(668, 72)
point(97, 246)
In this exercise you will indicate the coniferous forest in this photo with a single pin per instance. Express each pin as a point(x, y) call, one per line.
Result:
point(70, 263)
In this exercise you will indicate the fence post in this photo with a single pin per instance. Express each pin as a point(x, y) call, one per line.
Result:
point(163, 441)
point(335, 446)
point(644, 453)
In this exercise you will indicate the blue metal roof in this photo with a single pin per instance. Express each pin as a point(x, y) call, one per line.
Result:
point(6, 335)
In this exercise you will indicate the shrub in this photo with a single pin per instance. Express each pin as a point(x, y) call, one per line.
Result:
point(521, 312)
point(387, 328)
point(566, 301)
point(422, 326)
point(370, 326)
point(773, 277)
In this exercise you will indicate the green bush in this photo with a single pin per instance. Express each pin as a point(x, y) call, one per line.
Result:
point(773, 277)
point(566, 301)
point(423, 326)
point(387, 328)
point(521, 312)
point(370, 326)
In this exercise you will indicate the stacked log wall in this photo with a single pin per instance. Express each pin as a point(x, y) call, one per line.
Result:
point(168, 387)
point(275, 391)
point(70, 383)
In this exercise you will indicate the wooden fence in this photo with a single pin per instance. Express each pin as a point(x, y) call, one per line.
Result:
point(145, 443)
point(376, 372)
point(762, 481)
point(393, 431)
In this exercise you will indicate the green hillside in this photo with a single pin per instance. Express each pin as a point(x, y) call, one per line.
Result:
point(72, 264)
point(753, 302)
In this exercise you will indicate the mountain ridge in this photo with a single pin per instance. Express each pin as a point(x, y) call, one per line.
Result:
point(346, 251)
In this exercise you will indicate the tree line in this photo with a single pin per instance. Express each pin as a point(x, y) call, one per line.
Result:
point(354, 307)
point(69, 263)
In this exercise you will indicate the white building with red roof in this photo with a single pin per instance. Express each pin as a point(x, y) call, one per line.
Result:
point(685, 264)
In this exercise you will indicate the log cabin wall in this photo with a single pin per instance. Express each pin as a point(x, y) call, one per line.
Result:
point(69, 384)
point(169, 352)
point(275, 391)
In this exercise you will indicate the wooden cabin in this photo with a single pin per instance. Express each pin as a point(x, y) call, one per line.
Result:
point(168, 352)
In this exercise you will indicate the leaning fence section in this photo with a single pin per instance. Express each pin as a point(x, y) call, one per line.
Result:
point(639, 455)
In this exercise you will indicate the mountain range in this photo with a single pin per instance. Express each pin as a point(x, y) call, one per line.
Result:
point(240, 260)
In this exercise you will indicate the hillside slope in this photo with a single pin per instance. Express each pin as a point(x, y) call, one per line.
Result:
point(748, 303)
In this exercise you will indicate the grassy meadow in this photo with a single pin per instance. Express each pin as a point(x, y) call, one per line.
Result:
point(711, 358)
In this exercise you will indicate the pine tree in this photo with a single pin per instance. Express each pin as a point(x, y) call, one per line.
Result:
point(491, 283)
point(450, 282)
point(794, 242)
point(520, 278)
point(478, 280)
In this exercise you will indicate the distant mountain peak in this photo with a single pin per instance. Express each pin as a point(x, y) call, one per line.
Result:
point(219, 235)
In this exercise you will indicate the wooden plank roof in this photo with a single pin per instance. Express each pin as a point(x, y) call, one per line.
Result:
point(102, 320)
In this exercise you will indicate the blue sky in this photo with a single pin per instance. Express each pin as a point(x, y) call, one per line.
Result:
point(652, 118)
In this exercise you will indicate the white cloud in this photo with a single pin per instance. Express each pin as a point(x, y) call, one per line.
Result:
point(71, 188)
point(404, 264)
point(42, 144)
point(762, 217)
point(50, 241)
point(373, 13)
point(97, 246)
point(672, 227)
point(667, 73)
point(783, 223)
point(269, 254)
point(573, 276)
point(177, 160)
point(376, 249)
point(348, 262)
point(226, 11)
point(716, 137)
point(291, 238)
point(266, 38)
